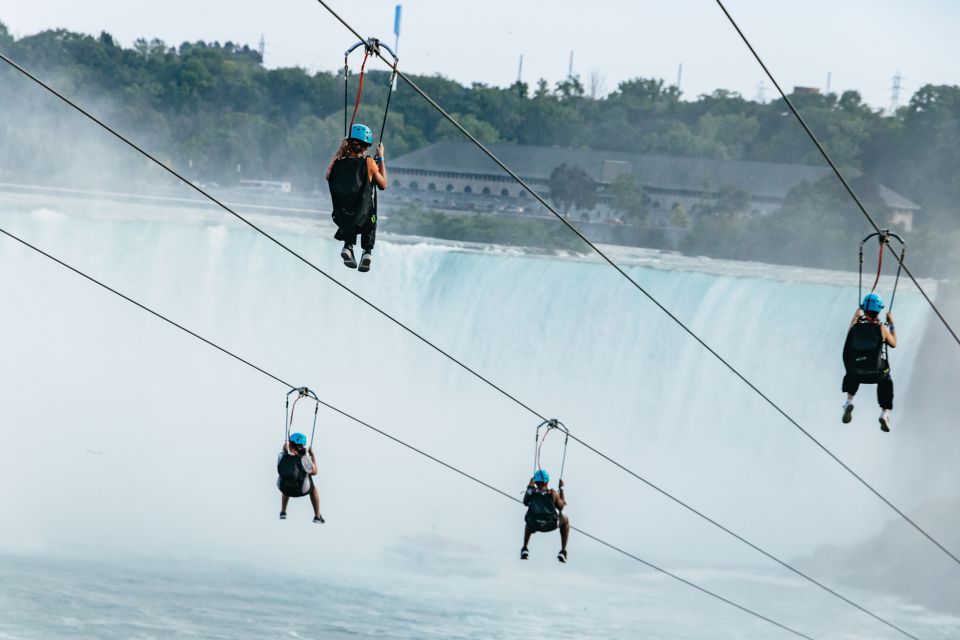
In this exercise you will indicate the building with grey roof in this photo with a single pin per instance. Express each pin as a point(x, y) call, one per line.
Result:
point(458, 175)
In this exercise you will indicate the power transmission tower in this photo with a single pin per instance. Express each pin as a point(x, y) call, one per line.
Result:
point(895, 93)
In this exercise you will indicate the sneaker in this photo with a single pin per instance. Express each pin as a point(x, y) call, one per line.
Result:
point(347, 254)
point(318, 520)
point(283, 515)
point(365, 261)
point(847, 413)
point(885, 423)
point(562, 556)
point(524, 553)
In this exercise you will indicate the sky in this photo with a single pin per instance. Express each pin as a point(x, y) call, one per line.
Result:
point(860, 44)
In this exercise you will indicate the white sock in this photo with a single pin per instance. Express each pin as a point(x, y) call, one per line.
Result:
point(847, 401)
point(885, 413)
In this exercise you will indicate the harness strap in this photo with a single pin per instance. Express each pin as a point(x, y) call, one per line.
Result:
point(370, 46)
point(563, 461)
point(302, 392)
point(538, 443)
point(896, 281)
point(346, 76)
point(290, 416)
point(313, 431)
point(393, 77)
point(883, 241)
point(859, 279)
point(356, 106)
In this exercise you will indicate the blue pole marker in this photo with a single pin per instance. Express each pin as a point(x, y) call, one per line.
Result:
point(396, 28)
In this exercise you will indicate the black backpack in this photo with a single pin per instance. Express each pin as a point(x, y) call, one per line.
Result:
point(863, 353)
point(541, 507)
point(351, 192)
point(292, 474)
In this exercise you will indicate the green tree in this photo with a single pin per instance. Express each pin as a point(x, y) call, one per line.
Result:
point(628, 199)
point(570, 88)
point(482, 131)
point(210, 106)
point(6, 40)
point(728, 201)
point(679, 216)
point(572, 187)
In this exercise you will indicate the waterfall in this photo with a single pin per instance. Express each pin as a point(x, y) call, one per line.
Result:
point(148, 431)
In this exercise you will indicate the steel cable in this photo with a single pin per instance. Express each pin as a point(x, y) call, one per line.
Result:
point(441, 350)
point(656, 302)
point(399, 441)
point(836, 171)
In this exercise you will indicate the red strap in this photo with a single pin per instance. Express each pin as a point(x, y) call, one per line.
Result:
point(292, 409)
point(356, 106)
point(879, 266)
point(540, 448)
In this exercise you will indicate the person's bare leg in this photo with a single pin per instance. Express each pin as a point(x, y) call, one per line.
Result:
point(527, 532)
point(284, 499)
point(315, 501)
point(564, 532)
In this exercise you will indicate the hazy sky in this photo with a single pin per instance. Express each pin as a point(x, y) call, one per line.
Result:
point(862, 42)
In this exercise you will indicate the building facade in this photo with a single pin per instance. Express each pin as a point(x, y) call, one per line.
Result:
point(457, 177)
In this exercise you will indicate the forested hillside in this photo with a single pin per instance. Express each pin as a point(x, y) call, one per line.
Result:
point(213, 109)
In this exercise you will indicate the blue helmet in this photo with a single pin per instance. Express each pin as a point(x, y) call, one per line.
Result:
point(362, 133)
point(298, 438)
point(872, 302)
point(541, 476)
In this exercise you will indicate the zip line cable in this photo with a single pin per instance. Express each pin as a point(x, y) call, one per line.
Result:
point(604, 456)
point(836, 171)
point(397, 440)
point(454, 359)
point(262, 232)
point(753, 546)
point(448, 355)
point(656, 302)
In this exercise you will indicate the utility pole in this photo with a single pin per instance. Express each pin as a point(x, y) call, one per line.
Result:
point(895, 93)
point(263, 48)
point(761, 93)
point(570, 67)
point(679, 75)
point(829, 78)
point(520, 70)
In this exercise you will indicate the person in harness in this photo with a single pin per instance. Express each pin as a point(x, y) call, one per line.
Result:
point(352, 176)
point(296, 466)
point(544, 513)
point(864, 357)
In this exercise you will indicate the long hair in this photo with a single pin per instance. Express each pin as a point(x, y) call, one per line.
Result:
point(352, 148)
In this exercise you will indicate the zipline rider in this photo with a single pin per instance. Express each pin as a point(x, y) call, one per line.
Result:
point(544, 513)
point(352, 176)
point(296, 466)
point(865, 357)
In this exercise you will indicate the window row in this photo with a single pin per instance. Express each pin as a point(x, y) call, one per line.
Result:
point(432, 186)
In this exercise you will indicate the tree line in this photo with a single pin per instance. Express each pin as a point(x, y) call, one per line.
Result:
point(215, 110)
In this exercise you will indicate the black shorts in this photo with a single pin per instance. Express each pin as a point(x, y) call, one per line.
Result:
point(295, 493)
point(543, 525)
